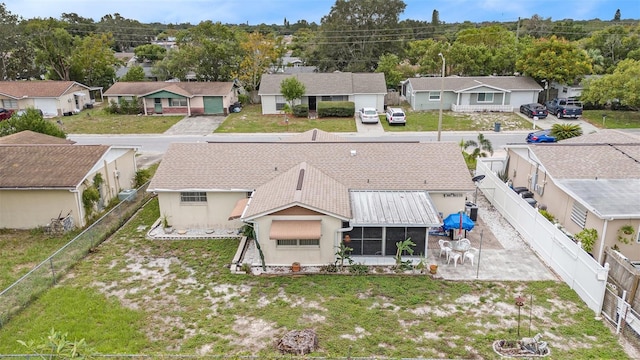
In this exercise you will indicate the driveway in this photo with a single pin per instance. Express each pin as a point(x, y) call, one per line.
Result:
point(548, 122)
point(196, 125)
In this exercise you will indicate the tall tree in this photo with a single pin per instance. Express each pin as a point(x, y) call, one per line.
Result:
point(78, 25)
point(356, 32)
point(389, 65)
point(554, 59)
point(149, 52)
point(622, 85)
point(485, 51)
point(127, 33)
point(259, 53)
point(135, 73)
point(53, 46)
point(617, 16)
point(93, 62)
point(614, 43)
point(291, 89)
point(9, 37)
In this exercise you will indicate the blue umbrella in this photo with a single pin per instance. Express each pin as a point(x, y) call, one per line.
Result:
point(454, 221)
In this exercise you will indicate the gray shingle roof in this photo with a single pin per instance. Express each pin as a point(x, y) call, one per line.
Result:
point(36, 88)
point(47, 166)
point(318, 84)
point(455, 83)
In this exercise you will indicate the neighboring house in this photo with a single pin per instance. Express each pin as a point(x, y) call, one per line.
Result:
point(146, 68)
point(591, 181)
point(364, 89)
point(573, 90)
point(292, 65)
point(304, 195)
point(177, 98)
point(477, 93)
point(43, 177)
point(54, 98)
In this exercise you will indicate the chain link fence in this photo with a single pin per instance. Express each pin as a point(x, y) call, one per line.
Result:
point(47, 273)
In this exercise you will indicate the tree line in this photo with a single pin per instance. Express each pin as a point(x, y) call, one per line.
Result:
point(356, 35)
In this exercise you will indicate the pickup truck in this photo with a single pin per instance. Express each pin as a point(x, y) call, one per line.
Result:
point(5, 114)
point(564, 108)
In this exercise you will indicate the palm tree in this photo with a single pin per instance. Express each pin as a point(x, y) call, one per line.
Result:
point(483, 144)
point(565, 131)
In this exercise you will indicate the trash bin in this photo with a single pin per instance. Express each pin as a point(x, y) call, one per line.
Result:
point(496, 127)
point(472, 211)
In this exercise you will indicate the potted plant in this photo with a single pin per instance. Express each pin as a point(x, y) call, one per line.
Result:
point(295, 267)
point(625, 234)
point(433, 268)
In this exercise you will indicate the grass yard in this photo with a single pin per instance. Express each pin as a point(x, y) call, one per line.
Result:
point(484, 121)
point(614, 119)
point(134, 295)
point(98, 121)
point(251, 120)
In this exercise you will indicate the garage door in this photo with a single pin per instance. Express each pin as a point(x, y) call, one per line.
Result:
point(213, 105)
point(49, 107)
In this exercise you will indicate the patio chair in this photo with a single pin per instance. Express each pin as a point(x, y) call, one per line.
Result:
point(465, 242)
point(444, 248)
point(470, 254)
point(455, 256)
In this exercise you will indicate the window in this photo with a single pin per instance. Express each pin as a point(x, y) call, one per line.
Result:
point(299, 242)
point(177, 102)
point(10, 104)
point(434, 95)
point(280, 101)
point(485, 97)
point(334, 98)
point(196, 196)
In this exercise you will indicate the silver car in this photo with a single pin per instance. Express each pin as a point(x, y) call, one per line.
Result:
point(368, 116)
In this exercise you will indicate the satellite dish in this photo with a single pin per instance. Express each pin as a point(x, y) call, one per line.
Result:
point(477, 178)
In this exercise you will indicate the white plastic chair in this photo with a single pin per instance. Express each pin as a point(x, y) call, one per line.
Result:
point(464, 242)
point(470, 254)
point(456, 257)
point(444, 248)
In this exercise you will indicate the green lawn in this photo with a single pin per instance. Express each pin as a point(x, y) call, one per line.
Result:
point(613, 119)
point(98, 121)
point(134, 295)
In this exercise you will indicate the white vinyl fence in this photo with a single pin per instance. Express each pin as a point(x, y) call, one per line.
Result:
point(575, 266)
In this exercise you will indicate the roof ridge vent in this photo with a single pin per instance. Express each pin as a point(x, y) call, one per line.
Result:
point(314, 135)
point(300, 179)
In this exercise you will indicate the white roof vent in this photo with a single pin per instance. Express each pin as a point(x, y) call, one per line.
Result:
point(353, 153)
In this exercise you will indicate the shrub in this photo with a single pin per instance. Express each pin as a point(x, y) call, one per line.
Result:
point(142, 176)
point(359, 269)
point(123, 106)
point(301, 110)
point(336, 109)
point(587, 238)
point(547, 215)
point(244, 99)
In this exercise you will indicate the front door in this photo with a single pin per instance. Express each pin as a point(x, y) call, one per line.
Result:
point(157, 105)
point(312, 103)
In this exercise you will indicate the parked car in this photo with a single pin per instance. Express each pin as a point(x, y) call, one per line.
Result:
point(5, 113)
point(562, 108)
point(368, 116)
point(542, 136)
point(396, 116)
point(533, 110)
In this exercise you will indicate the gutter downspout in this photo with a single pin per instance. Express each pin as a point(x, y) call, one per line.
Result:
point(604, 234)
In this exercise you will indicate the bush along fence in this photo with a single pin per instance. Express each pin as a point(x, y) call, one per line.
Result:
point(47, 273)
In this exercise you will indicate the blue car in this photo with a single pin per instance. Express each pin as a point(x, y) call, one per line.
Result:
point(542, 136)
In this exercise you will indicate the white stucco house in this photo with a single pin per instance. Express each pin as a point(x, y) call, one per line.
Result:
point(54, 98)
point(476, 93)
point(305, 194)
point(363, 89)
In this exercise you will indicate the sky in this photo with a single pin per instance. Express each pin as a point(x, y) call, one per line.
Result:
point(256, 12)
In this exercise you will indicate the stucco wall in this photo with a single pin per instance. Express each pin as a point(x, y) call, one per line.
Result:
point(448, 203)
point(275, 255)
point(29, 209)
point(214, 214)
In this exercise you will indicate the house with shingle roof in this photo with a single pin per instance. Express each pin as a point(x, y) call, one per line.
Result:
point(587, 182)
point(363, 89)
point(176, 98)
point(43, 177)
point(304, 197)
point(474, 93)
point(53, 98)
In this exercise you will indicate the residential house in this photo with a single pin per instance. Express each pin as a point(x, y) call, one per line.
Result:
point(43, 177)
point(177, 98)
point(476, 93)
point(54, 98)
point(586, 182)
point(363, 89)
point(303, 196)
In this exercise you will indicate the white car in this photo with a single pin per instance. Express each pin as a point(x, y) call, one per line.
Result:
point(368, 116)
point(396, 116)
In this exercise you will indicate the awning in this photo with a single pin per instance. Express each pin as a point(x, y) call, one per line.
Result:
point(238, 209)
point(295, 229)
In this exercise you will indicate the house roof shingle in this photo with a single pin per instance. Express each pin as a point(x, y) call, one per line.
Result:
point(356, 165)
point(47, 166)
point(140, 88)
point(28, 137)
point(337, 83)
point(36, 88)
point(456, 83)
